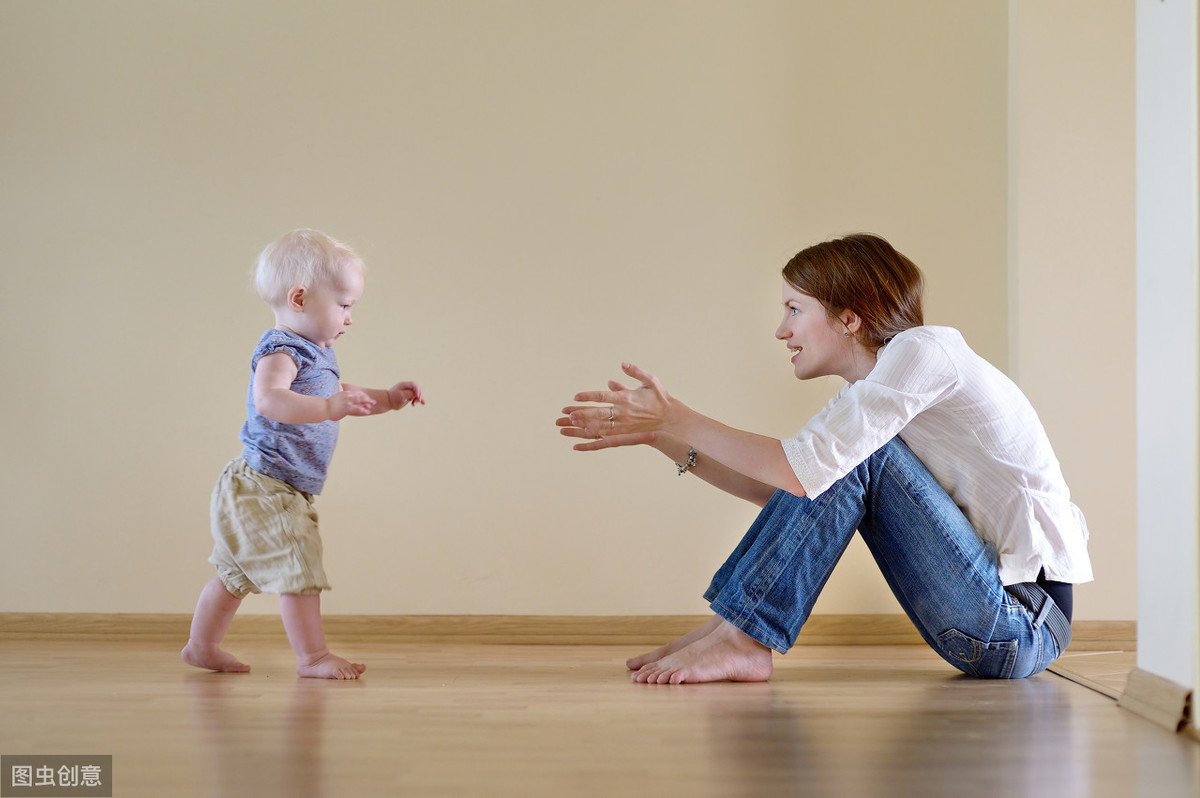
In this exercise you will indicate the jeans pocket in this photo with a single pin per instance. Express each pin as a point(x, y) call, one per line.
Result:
point(977, 658)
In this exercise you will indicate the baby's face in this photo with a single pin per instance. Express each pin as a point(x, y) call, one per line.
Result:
point(326, 308)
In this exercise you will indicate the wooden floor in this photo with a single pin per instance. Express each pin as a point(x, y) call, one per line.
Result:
point(1103, 671)
point(470, 719)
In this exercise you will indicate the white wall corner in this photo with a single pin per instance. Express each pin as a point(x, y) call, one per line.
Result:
point(1168, 341)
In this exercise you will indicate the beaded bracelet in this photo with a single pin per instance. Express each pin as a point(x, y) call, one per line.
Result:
point(689, 465)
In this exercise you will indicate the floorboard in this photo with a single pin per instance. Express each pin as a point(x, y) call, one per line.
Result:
point(470, 719)
point(1103, 671)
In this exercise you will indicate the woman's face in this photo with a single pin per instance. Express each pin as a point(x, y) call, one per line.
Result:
point(817, 342)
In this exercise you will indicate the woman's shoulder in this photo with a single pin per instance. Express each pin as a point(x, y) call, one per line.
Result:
point(930, 334)
point(924, 342)
point(919, 359)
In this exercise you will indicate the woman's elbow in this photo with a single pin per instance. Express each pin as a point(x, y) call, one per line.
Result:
point(794, 487)
point(763, 492)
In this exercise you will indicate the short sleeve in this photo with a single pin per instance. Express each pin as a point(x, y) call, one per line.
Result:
point(912, 373)
point(276, 342)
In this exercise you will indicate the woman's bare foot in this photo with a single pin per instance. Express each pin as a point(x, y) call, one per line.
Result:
point(637, 663)
point(212, 658)
point(725, 654)
point(324, 665)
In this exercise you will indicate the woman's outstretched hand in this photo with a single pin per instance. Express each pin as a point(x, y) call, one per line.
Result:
point(624, 417)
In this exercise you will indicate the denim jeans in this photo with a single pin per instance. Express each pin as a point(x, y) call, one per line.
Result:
point(943, 574)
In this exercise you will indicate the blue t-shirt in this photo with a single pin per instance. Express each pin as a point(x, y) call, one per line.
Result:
point(297, 454)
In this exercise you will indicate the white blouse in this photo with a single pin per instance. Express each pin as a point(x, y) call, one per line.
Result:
point(976, 433)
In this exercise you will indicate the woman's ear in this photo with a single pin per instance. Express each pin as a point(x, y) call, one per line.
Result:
point(850, 320)
point(295, 298)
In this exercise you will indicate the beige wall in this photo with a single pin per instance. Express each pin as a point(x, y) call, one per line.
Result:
point(541, 189)
point(1072, 227)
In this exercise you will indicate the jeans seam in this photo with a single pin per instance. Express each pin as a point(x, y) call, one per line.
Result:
point(784, 555)
point(907, 487)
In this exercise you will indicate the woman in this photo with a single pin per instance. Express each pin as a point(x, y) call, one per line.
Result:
point(931, 453)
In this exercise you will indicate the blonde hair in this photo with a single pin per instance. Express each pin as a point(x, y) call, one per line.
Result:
point(304, 258)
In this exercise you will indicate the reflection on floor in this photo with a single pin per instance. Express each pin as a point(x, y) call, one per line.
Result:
point(1103, 671)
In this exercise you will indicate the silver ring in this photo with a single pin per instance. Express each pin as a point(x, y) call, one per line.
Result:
point(612, 412)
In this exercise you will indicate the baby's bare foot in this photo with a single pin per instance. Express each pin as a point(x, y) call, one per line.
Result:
point(212, 658)
point(325, 665)
point(724, 654)
point(637, 663)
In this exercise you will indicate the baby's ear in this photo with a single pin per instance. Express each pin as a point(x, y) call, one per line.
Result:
point(295, 298)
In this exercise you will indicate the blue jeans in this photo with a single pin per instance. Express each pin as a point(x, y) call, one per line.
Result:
point(944, 576)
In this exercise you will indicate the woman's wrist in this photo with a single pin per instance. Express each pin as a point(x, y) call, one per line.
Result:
point(674, 416)
point(688, 464)
point(674, 448)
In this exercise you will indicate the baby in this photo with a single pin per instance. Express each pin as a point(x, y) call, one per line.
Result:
point(263, 522)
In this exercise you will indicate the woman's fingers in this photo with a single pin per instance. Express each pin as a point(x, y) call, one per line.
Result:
point(595, 396)
point(618, 407)
point(578, 432)
point(597, 442)
point(647, 379)
point(593, 419)
point(613, 441)
point(614, 387)
point(568, 423)
point(600, 410)
point(639, 374)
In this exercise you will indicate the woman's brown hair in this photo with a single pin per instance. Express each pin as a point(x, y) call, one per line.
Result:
point(865, 274)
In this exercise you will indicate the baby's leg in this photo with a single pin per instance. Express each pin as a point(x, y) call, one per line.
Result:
point(214, 612)
point(302, 620)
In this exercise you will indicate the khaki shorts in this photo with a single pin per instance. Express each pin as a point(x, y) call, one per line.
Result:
point(265, 535)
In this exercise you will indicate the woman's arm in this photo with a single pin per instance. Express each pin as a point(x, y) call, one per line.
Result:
point(712, 472)
point(643, 414)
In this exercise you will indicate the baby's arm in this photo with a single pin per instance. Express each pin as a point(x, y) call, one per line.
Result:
point(275, 399)
point(399, 395)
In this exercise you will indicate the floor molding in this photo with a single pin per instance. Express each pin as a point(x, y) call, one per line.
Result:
point(1157, 699)
point(821, 630)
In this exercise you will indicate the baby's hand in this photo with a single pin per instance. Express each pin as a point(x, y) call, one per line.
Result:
point(349, 403)
point(404, 393)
